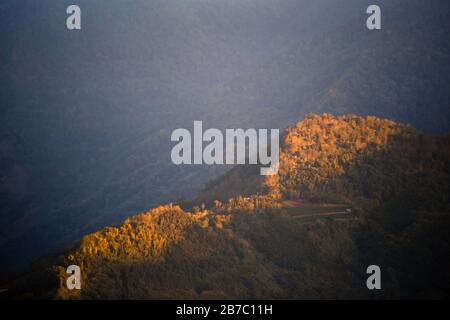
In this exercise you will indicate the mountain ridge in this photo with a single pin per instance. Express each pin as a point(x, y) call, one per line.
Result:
point(286, 239)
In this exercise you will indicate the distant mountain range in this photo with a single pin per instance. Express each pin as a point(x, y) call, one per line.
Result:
point(86, 117)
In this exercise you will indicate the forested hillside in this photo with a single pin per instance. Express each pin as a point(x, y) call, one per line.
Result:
point(348, 159)
point(351, 192)
point(86, 117)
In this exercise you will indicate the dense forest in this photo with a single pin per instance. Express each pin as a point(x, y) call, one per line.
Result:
point(351, 191)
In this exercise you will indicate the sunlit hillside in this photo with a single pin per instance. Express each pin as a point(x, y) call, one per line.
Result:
point(347, 159)
point(351, 191)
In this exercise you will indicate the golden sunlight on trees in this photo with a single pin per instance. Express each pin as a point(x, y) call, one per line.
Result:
point(254, 244)
point(349, 157)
